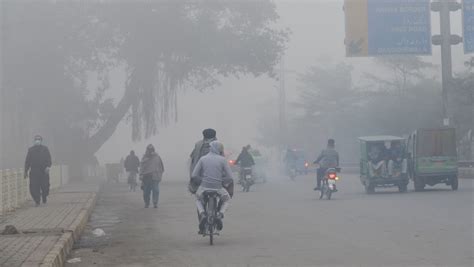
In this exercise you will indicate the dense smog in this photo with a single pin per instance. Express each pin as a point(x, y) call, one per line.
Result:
point(236, 133)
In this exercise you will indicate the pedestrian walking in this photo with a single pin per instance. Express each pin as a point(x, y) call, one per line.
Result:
point(151, 172)
point(131, 164)
point(37, 166)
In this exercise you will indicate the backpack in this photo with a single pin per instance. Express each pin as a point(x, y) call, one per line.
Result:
point(205, 148)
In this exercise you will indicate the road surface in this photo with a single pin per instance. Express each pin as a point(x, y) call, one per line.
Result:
point(283, 223)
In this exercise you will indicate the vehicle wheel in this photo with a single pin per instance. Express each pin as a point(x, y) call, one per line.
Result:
point(402, 188)
point(321, 193)
point(454, 183)
point(419, 184)
point(369, 188)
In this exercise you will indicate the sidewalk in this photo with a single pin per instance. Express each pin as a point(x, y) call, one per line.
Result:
point(49, 231)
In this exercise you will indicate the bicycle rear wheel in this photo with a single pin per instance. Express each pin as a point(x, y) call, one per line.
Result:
point(211, 213)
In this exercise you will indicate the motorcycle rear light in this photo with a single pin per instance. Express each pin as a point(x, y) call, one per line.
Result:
point(332, 176)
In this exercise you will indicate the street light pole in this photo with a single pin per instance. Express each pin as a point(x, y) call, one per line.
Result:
point(282, 104)
point(446, 40)
point(2, 89)
point(446, 56)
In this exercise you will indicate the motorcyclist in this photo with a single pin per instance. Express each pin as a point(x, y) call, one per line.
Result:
point(214, 173)
point(244, 160)
point(290, 160)
point(329, 158)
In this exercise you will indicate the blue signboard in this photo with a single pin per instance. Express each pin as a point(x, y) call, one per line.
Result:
point(399, 27)
point(468, 25)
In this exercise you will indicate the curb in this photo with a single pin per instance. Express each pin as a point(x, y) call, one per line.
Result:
point(57, 256)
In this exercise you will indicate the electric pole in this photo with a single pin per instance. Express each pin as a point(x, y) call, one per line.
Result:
point(446, 40)
point(2, 89)
point(282, 104)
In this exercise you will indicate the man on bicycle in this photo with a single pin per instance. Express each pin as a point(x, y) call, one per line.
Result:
point(214, 173)
point(329, 158)
point(131, 164)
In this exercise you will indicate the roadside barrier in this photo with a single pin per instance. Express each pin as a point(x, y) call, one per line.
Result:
point(14, 188)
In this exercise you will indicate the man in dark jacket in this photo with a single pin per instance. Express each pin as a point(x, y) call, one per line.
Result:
point(244, 160)
point(201, 148)
point(37, 166)
point(329, 158)
point(131, 164)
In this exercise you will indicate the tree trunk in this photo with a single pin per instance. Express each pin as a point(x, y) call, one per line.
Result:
point(107, 130)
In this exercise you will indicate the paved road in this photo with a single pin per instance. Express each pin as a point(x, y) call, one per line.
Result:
point(282, 223)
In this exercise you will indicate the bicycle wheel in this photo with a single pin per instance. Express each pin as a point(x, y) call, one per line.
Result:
point(211, 213)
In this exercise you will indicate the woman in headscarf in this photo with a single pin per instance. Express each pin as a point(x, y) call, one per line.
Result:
point(151, 172)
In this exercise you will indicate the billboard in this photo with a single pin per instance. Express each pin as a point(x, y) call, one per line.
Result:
point(387, 27)
point(468, 25)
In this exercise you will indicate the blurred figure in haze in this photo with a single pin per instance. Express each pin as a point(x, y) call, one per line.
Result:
point(201, 148)
point(131, 164)
point(244, 160)
point(151, 172)
point(37, 166)
point(329, 158)
point(290, 160)
point(396, 160)
point(377, 160)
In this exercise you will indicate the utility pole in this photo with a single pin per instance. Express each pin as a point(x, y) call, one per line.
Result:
point(446, 40)
point(2, 89)
point(283, 127)
point(282, 104)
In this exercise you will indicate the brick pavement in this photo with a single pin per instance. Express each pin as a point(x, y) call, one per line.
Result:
point(49, 231)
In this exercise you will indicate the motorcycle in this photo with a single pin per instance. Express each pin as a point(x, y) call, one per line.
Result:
point(328, 183)
point(211, 206)
point(292, 172)
point(247, 179)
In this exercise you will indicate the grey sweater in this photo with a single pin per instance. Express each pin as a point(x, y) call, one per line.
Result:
point(213, 170)
point(329, 158)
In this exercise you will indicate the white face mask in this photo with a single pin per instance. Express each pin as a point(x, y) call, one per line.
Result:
point(37, 142)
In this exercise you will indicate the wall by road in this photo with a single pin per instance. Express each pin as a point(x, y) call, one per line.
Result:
point(14, 188)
